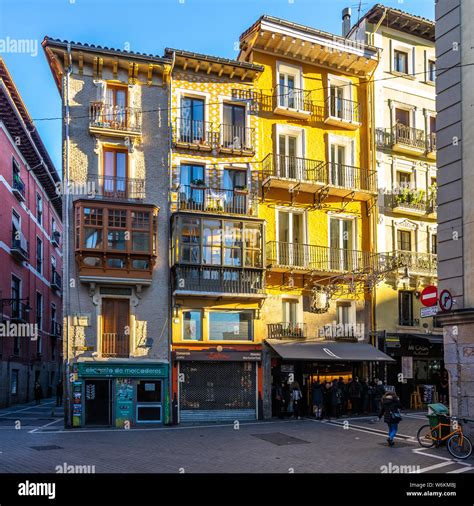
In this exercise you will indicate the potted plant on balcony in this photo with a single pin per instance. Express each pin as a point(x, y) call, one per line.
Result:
point(197, 183)
point(241, 190)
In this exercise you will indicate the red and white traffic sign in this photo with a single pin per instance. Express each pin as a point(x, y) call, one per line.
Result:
point(445, 300)
point(429, 296)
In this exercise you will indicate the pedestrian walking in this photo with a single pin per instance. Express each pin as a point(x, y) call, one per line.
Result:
point(37, 392)
point(343, 388)
point(327, 399)
point(364, 400)
point(370, 396)
point(318, 400)
point(355, 394)
point(296, 398)
point(336, 399)
point(59, 393)
point(379, 393)
point(391, 415)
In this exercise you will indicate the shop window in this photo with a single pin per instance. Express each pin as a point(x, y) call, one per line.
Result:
point(230, 326)
point(192, 325)
point(149, 404)
point(405, 308)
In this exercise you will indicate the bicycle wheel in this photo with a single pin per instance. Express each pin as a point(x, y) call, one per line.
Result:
point(460, 447)
point(426, 436)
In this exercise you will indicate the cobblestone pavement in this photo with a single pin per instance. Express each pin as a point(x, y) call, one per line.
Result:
point(32, 439)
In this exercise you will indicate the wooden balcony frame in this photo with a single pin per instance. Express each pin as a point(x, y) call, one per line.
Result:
point(102, 271)
point(113, 120)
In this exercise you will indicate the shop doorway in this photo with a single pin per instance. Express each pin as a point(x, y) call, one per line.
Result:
point(149, 401)
point(98, 402)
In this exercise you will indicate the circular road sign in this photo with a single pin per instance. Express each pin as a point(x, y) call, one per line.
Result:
point(445, 301)
point(429, 296)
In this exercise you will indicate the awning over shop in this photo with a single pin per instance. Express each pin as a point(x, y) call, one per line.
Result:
point(327, 351)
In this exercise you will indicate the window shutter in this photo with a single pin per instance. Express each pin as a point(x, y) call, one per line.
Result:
point(391, 55)
point(101, 90)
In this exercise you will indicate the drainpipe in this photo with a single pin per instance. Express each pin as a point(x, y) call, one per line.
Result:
point(66, 302)
point(168, 217)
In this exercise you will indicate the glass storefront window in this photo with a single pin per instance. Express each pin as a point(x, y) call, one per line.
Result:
point(230, 326)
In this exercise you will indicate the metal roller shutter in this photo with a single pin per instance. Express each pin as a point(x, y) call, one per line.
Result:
point(219, 391)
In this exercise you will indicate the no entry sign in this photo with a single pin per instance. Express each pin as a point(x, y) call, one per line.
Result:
point(429, 296)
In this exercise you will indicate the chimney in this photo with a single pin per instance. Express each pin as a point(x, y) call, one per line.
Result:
point(346, 21)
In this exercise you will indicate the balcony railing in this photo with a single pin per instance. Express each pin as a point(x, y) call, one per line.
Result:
point(56, 329)
point(342, 109)
point(292, 98)
point(286, 330)
point(431, 142)
point(317, 171)
point(218, 280)
point(15, 309)
point(115, 345)
point(56, 281)
point(351, 178)
point(20, 247)
point(294, 167)
point(413, 201)
point(317, 258)
point(115, 117)
point(119, 188)
point(416, 263)
point(195, 133)
point(220, 200)
point(18, 187)
point(237, 138)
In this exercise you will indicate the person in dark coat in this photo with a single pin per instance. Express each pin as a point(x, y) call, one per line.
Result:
point(343, 389)
point(327, 399)
point(444, 387)
point(391, 415)
point(336, 399)
point(318, 400)
point(364, 398)
point(284, 395)
point(355, 394)
point(370, 396)
point(59, 393)
point(37, 392)
point(379, 393)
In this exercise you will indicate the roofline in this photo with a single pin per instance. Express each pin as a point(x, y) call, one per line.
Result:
point(63, 44)
point(302, 28)
point(214, 59)
point(382, 8)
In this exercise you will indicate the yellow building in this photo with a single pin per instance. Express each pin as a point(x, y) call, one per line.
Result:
point(217, 240)
point(318, 198)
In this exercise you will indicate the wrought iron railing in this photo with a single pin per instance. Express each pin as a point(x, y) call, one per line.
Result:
point(218, 280)
point(343, 109)
point(431, 142)
point(193, 132)
point(115, 345)
point(292, 98)
point(237, 138)
point(351, 178)
point(19, 185)
point(119, 188)
point(317, 258)
point(416, 263)
point(409, 136)
point(115, 117)
point(286, 330)
point(294, 167)
point(220, 200)
point(413, 201)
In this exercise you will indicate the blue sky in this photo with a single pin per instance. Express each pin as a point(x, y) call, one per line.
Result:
point(204, 26)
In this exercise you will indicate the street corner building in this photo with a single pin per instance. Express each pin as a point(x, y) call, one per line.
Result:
point(115, 147)
point(405, 146)
point(30, 256)
point(318, 189)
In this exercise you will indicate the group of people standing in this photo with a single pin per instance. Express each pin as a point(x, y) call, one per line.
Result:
point(338, 398)
point(289, 399)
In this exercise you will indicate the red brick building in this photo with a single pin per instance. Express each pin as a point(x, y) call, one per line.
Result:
point(30, 255)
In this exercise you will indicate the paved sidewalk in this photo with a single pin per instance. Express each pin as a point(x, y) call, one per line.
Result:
point(349, 445)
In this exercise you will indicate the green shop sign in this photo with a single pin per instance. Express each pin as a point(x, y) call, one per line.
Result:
point(88, 370)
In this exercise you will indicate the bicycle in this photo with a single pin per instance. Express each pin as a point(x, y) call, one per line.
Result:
point(459, 445)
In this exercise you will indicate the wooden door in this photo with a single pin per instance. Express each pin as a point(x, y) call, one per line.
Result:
point(115, 328)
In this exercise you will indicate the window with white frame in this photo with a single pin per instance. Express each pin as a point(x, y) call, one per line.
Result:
point(340, 103)
point(402, 58)
point(289, 86)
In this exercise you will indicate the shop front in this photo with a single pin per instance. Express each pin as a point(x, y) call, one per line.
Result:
point(309, 361)
point(217, 384)
point(418, 364)
point(120, 394)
